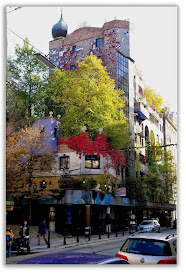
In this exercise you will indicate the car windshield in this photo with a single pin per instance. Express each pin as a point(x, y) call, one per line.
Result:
point(147, 247)
point(146, 223)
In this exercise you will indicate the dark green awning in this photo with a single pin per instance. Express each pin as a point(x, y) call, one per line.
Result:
point(66, 179)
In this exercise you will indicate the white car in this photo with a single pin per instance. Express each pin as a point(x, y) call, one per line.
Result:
point(149, 226)
point(149, 248)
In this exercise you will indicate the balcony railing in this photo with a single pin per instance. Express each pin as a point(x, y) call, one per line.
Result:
point(141, 111)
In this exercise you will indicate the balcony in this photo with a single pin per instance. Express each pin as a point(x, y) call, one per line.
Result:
point(141, 112)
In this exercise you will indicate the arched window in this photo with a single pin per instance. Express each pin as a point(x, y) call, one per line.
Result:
point(146, 143)
point(146, 133)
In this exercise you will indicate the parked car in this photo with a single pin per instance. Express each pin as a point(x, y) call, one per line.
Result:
point(149, 226)
point(114, 261)
point(149, 248)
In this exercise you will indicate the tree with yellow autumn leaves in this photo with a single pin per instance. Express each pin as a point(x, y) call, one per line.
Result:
point(27, 153)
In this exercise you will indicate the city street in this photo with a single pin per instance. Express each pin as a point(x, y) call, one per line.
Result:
point(91, 252)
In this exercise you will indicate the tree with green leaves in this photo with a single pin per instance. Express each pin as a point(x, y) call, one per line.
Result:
point(57, 82)
point(26, 80)
point(90, 99)
point(158, 182)
point(153, 98)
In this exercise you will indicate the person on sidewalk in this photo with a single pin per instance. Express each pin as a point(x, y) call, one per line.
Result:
point(9, 239)
point(42, 231)
point(24, 229)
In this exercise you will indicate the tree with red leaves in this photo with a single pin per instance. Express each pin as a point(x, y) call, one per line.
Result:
point(83, 145)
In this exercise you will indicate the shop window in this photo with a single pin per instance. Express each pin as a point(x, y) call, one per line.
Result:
point(92, 162)
point(64, 162)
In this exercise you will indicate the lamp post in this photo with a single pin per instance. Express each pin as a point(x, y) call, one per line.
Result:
point(52, 219)
point(45, 61)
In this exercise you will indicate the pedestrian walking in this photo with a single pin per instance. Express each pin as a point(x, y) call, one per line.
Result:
point(25, 230)
point(42, 231)
point(9, 239)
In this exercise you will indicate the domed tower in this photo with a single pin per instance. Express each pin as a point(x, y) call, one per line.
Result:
point(60, 28)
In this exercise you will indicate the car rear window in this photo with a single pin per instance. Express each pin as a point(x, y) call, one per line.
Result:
point(146, 247)
point(146, 223)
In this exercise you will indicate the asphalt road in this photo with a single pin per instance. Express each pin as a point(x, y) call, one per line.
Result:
point(82, 254)
point(101, 249)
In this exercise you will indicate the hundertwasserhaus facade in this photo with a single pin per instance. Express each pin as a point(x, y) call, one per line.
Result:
point(80, 207)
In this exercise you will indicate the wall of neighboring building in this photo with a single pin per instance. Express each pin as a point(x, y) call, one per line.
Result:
point(147, 122)
point(171, 138)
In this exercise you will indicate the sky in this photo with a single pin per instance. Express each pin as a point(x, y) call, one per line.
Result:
point(154, 30)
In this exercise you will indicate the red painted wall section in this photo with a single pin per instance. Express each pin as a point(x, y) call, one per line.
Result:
point(83, 145)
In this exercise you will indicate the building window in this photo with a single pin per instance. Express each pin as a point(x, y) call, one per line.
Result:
point(123, 78)
point(72, 67)
point(98, 42)
point(140, 90)
point(42, 131)
point(92, 162)
point(64, 162)
point(143, 144)
point(74, 48)
point(55, 131)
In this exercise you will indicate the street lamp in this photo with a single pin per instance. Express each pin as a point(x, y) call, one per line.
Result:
point(45, 60)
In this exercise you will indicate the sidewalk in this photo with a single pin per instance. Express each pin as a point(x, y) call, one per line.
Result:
point(72, 241)
point(57, 240)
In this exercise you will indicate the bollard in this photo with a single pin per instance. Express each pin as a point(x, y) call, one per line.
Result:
point(116, 230)
point(77, 234)
point(48, 239)
point(89, 234)
point(99, 232)
point(64, 242)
